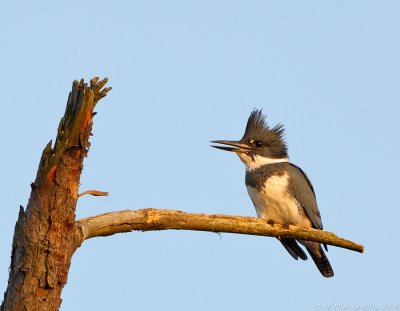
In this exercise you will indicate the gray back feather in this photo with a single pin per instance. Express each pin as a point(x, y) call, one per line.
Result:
point(299, 186)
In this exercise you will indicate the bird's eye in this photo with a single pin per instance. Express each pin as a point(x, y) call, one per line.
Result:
point(258, 143)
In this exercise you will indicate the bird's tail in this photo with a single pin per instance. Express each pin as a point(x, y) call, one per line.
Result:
point(293, 248)
point(321, 261)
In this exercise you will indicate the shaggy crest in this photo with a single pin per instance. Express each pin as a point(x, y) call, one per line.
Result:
point(258, 129)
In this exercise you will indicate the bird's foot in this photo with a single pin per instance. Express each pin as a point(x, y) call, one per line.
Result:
point(285, 226)
point(271, 222)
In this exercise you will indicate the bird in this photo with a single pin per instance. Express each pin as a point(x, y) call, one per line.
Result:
point(280, 191)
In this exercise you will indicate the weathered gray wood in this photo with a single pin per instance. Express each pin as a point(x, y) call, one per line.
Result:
point(161, 219)
point(47, 234)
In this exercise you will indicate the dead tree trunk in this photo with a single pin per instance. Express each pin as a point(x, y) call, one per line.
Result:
point(45, 233)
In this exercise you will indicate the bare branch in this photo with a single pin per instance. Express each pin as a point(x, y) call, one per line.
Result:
point(95, 193)
point(161, 219)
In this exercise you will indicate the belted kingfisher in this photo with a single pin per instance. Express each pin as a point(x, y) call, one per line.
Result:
point(281, 192)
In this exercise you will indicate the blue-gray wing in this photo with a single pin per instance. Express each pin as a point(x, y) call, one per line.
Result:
point(302, 189)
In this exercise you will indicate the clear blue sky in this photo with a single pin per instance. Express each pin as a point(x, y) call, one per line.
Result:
point(184, 73)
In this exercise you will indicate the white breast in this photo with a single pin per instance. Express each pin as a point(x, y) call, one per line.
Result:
point(273, 202)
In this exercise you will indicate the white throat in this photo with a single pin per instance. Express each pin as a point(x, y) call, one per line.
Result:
point(258, 161)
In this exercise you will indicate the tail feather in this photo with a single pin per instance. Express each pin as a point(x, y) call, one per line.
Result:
point(314, 249)
point(321, 261)
point(293, 248)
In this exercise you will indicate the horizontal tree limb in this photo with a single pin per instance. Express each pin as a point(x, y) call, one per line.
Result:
point(160, 219)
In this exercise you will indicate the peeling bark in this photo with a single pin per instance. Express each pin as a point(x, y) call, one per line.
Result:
point(45, 234)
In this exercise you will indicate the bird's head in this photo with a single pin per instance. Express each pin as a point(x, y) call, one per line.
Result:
point(260, 144)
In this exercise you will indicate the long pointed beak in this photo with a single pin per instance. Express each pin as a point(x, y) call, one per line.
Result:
point(237, 146)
